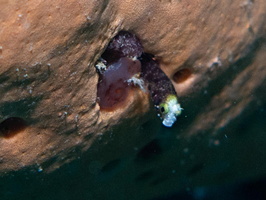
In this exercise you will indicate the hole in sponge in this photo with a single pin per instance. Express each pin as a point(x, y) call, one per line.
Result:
point(119, 64)
point(12, 126)
point(113, 88)
point(124, 44)
point(182, 75)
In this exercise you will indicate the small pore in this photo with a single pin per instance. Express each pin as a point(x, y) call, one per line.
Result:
point(182, 75)
point(12, 126)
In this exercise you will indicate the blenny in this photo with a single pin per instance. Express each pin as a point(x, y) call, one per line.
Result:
point(125, 64)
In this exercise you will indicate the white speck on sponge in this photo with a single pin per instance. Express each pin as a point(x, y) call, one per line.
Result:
point(137, 82)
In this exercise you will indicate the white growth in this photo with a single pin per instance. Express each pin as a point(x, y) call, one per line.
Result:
point(101, 66)
point(215, 62)
point(137, 82)
point(134, 58)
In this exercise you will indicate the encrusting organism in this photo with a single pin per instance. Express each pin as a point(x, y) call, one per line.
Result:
point(124, 65)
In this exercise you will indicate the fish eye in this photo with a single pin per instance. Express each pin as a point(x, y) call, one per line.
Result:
point(163, 108)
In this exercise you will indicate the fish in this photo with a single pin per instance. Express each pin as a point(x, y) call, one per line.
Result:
point(116, 67)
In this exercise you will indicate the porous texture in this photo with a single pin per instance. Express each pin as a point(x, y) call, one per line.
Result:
point(47, 54)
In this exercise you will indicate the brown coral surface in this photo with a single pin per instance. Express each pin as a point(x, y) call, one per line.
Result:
point(213, 52)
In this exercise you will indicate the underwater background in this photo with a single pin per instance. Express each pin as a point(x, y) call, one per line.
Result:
point(225, 163)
